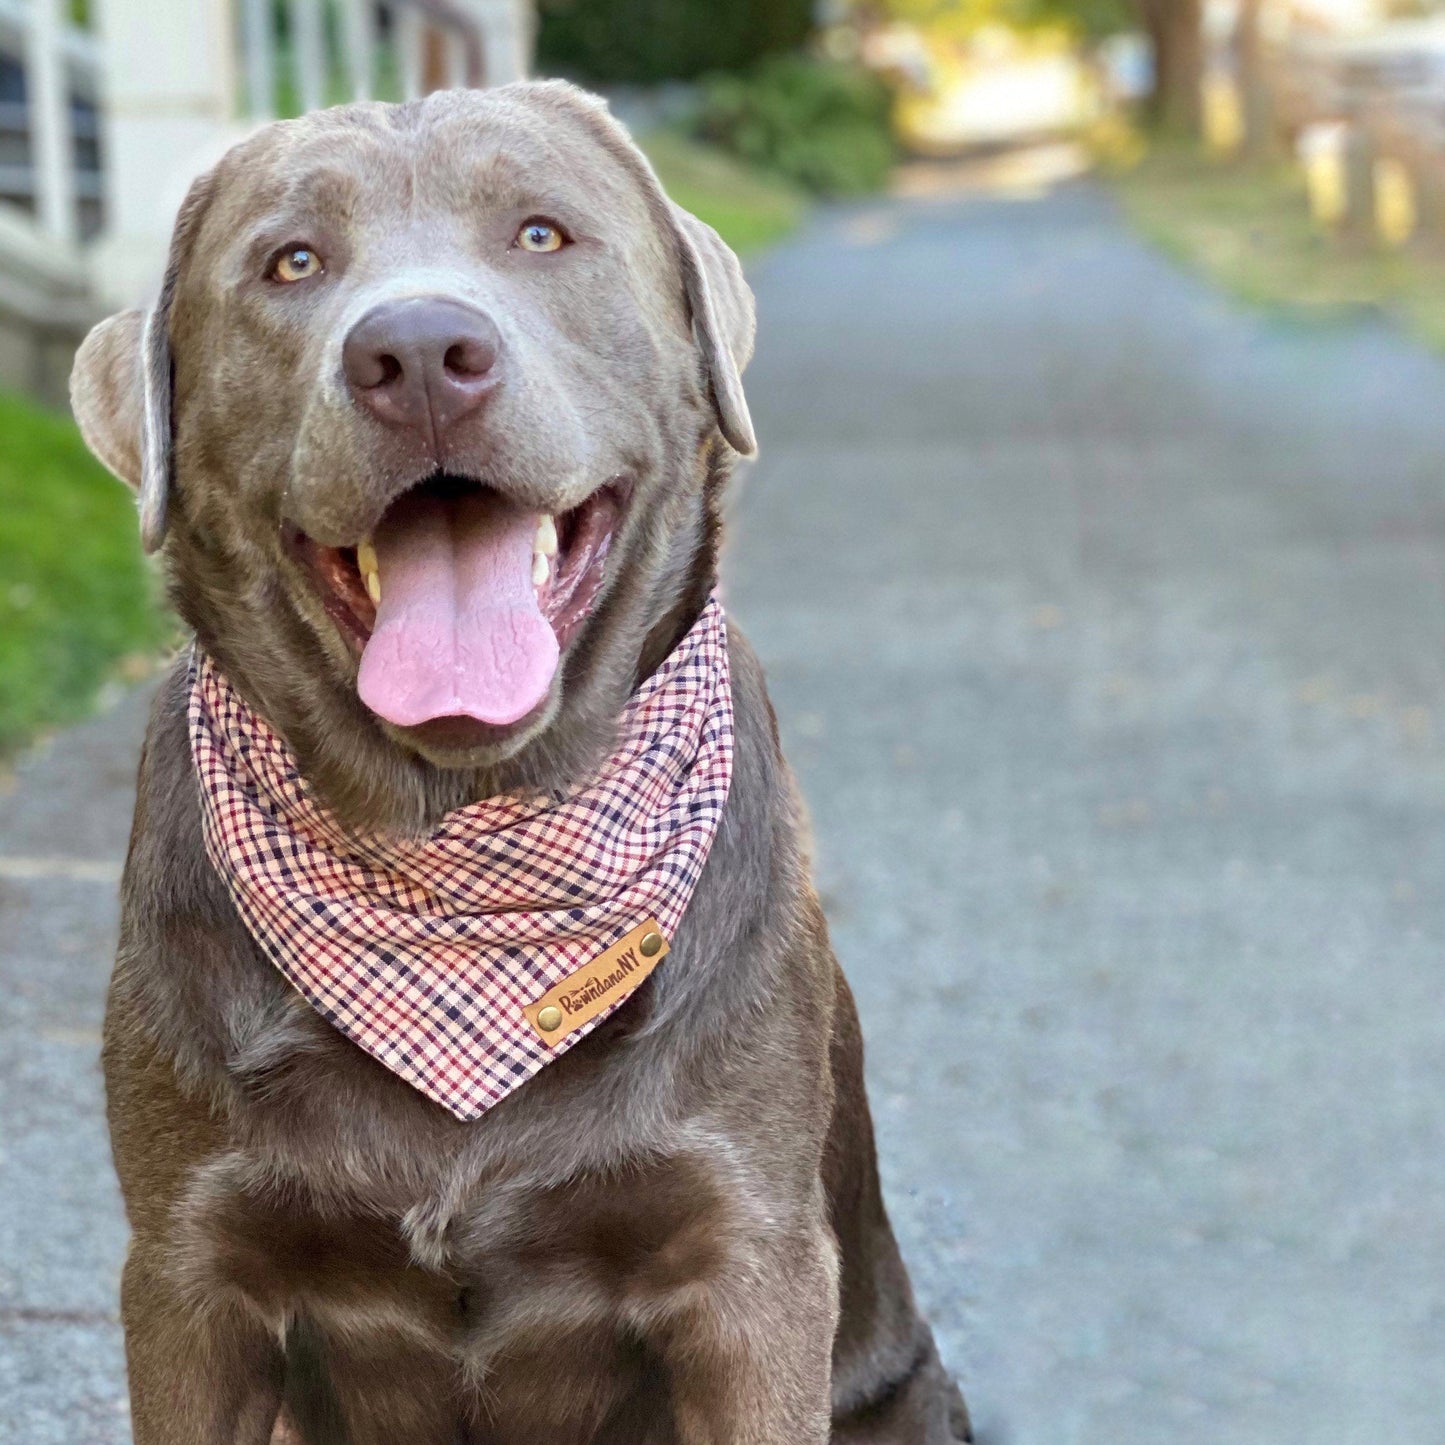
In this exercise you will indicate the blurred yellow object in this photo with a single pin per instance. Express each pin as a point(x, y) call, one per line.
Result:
point(1396, 213)
point(1325, 180)
point(1321, 153)
point(1223, 114)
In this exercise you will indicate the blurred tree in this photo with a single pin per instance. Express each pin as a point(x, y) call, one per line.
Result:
point(1255, 93)
point(646, 41)
point(1176, 37)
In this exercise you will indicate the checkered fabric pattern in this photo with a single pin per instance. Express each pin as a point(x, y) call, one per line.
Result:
point(425, 951)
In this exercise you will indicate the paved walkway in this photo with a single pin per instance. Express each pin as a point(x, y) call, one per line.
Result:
point(1106, 624)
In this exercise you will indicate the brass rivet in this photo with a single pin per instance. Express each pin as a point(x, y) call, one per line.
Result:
point(549, 1018)
point(651, 944)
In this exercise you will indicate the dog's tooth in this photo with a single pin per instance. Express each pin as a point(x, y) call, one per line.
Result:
point(541, 570)
point(366, 557)
point(373, 587)
point(546, 542)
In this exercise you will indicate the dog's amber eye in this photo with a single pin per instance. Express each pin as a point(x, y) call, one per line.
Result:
point(296, 264)
point(540, 236)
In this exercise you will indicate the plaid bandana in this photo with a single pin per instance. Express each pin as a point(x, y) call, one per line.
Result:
point(432, 953)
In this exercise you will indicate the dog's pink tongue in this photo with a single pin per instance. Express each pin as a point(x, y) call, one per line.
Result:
point(458, 630)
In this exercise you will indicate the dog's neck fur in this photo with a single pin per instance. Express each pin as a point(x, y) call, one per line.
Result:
point(369, 780)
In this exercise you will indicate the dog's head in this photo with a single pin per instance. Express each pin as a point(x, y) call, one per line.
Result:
point(429, 421)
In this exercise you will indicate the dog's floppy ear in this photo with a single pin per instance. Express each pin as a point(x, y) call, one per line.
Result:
point(105, 393)
point(120, 385)
point(722, 320)
point(717, 295)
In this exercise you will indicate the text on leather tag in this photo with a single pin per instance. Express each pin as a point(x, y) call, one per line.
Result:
point(596, 986)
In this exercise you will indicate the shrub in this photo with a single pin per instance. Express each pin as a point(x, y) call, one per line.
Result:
point(822, 124)
point(647, 41)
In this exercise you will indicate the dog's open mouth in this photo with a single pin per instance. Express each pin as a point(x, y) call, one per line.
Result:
point(461, 601)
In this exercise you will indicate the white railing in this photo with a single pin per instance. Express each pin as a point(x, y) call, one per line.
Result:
point(310, 53)
point(61, 65)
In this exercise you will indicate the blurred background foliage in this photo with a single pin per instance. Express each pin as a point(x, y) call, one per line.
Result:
point(824, 125)
point(1092, 19)
point(644, 42)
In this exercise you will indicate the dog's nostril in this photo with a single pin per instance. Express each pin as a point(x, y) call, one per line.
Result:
point(368, 369)
point(468, 357)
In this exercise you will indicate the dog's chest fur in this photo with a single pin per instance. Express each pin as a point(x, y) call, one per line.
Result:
point(536, 1287)
point(634, 1173)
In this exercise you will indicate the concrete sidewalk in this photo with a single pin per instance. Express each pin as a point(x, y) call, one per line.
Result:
point(1106, 623)
point(63, 826)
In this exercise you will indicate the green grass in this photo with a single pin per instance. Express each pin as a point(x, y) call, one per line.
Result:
point(1249, 229)
point(747, 209)
point(77, 602)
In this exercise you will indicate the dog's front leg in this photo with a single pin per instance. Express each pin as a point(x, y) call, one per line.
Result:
point(752, 1363)
point(197, 1377)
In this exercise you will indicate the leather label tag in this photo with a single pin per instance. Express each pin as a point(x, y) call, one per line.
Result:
point(596, 986)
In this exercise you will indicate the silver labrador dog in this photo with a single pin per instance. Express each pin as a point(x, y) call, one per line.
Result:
point(674, 1233)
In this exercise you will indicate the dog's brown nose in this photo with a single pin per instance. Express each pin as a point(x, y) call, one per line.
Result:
point(423, 362)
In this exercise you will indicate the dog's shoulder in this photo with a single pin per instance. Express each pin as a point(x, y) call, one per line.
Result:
point(752, 936)
point(187, 973)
